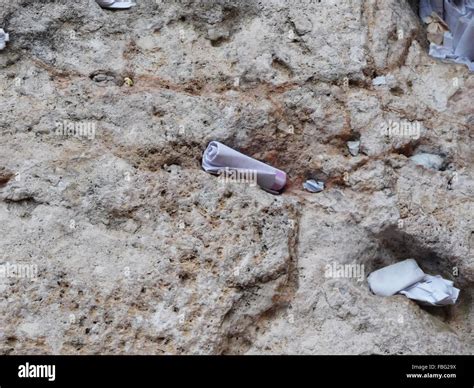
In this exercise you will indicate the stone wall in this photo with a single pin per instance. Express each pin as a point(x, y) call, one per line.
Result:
point(103, 120)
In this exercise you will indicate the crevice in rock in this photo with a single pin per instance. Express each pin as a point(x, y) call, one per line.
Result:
point(5, 176)
point(282, 67)
point(396, 245)
point(403, 246)
point(154, 158)
point(105, 76)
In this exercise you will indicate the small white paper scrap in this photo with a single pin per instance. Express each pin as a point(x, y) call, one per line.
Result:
point(4, 38)
point(313, 186)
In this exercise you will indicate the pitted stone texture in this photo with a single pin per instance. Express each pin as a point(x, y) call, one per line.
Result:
point(139, 251)
point(155, 272)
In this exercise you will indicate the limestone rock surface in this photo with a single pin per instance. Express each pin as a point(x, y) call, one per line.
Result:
point(103, 120)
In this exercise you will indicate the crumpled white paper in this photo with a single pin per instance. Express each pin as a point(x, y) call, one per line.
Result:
point(4, 38)
point(218, 158)
point(426, 160)
point(433, 290)
point(458, 42)
point(408, 279)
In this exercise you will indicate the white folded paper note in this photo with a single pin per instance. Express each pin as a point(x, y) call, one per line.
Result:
point(218, 158)
point(408, 279)
point(389, 280)
point(459, 16)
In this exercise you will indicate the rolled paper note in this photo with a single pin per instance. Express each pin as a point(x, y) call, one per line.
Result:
point(218, 158)
point(389, 280)
point(112, 4)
